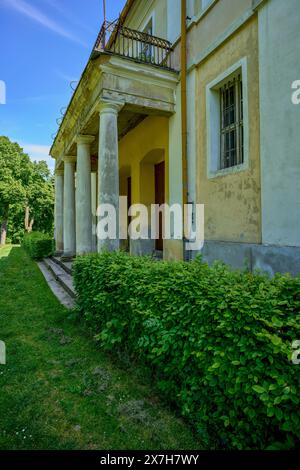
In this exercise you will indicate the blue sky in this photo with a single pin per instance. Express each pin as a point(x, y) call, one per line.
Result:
point(44, 45)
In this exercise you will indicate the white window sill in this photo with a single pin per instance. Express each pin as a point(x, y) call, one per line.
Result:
point(228, 171)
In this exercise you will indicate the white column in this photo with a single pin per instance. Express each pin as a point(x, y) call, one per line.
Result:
point(83, 195)
point(59, 207)
point(69, 208)
point(108, 165)
point(94, 209)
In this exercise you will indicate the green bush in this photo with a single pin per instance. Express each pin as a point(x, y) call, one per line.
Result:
point(17, 237)
point(218, 342)
point(38, 245)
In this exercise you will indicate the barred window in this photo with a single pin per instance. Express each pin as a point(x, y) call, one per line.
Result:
point(232, 130)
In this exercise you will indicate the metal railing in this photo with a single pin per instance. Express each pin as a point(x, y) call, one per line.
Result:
point(114, 38)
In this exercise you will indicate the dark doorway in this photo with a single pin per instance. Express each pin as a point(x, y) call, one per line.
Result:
point(160, 199)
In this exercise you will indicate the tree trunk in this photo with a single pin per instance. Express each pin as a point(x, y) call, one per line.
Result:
point(26, 218)
point(31, 225)
point(3, 230)
point(27, 222)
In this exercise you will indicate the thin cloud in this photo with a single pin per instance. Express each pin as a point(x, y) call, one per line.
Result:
point(37, 98)
point(66, 13)
point(38, 152)
point(21, 6)
point(65, 77)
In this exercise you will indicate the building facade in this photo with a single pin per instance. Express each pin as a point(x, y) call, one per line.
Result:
point(197, 111)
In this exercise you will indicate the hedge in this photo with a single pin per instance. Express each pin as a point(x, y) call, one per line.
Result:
point(38, 245)
point(218, 342)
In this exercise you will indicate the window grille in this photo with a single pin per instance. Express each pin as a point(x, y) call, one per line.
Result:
point(232, 131)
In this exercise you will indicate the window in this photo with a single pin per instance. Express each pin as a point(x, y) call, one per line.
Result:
point(147, 48)
point(231, 126)
point(227, 121)
point(149, 28)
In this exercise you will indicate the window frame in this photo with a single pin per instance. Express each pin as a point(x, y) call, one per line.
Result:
point(213, 120)
point(147, 49)
point(235, 83)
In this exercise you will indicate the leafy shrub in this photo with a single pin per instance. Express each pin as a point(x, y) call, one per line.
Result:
point(17, 237)
point(38, 245)
point(219, 342)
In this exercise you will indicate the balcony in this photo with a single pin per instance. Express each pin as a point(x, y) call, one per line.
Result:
point(118, 40)
point(131, 68)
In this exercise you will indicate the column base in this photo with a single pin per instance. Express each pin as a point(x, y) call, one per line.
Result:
point(67, 257)
point(58, 254)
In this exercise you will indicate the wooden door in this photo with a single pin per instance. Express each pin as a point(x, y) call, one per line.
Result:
point(160, 199)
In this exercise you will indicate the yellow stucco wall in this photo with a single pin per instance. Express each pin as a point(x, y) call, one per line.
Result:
point(142, 12)
point(144, 146)
point(139, 151)
point(232, 202)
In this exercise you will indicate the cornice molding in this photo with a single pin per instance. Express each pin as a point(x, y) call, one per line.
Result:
point(141, 72)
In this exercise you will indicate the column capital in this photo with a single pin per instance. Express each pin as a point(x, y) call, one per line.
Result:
point(70, 158)
point(110, 106)
point(84, 139)
point(59, 172)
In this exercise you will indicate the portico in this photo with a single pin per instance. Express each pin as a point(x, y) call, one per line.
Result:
point(113, 97)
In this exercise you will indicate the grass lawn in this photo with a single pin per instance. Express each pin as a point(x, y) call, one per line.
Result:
point(58, 390)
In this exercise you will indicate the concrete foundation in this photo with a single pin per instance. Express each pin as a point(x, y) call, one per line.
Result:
point(267, 258)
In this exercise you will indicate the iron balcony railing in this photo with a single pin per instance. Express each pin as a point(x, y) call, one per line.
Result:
point(114, 38)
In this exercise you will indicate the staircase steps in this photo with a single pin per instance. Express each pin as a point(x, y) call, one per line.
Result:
point(66, 265)
point(58, 290)
point(62, 274)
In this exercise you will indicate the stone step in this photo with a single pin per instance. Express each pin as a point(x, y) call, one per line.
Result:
point(60, 274)
point(66, 265)
point(60, 293)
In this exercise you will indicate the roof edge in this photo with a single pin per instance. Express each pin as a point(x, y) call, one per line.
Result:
point(126, 10)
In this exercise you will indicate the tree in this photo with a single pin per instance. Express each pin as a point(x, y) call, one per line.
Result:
point(39, 209)
point(14, 173)
point(26, 192)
